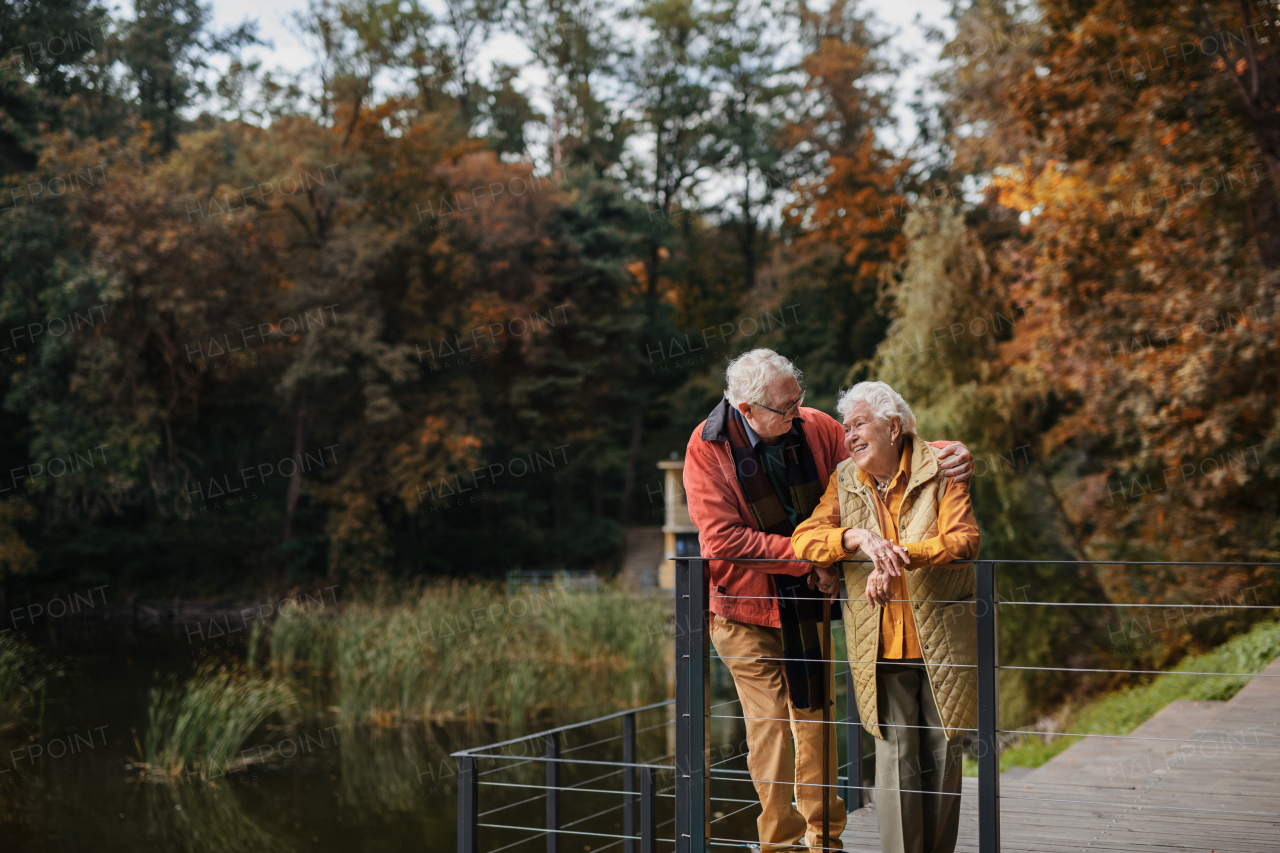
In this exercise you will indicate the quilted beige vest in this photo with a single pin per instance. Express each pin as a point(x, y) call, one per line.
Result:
point(947, 632)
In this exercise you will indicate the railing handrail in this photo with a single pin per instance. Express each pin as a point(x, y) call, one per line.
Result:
point(692, 768)
point(472, 751)
point(1010, 562)
point(694, 771)
point(1125, 562)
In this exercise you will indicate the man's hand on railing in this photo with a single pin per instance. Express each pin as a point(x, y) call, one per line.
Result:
point(956, 462)
point(826, 579)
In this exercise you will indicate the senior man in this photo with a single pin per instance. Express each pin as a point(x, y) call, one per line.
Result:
point(911, 641)
point(754, 470)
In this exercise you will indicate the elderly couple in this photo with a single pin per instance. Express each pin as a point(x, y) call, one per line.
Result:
point(767, 478)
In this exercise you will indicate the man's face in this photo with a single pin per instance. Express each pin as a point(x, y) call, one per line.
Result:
point(781, 394)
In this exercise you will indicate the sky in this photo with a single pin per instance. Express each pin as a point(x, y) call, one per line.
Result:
point(903, 18)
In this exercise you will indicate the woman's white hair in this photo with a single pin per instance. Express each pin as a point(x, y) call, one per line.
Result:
point(749, 374)
point(885, 403)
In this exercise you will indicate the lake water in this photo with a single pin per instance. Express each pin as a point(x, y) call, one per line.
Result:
point(66, 785)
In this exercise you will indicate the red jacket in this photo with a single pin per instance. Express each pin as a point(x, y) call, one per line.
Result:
point(726, 528)
point(725, 525)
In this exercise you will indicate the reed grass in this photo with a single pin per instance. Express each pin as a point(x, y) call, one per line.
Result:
point(469, 651)
point(453, 651)
point(201, 724)
point(24, 675)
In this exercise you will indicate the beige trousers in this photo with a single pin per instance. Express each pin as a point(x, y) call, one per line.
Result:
point(917, 769)
point(779, 770)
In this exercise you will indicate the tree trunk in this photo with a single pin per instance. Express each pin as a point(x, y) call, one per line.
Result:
point(633, 462)
point(597, 496)
point(1257, 90)
point(1264, 214)
point(1076, 543)
point(295, 484)
point(747, 236)
point(168, 143)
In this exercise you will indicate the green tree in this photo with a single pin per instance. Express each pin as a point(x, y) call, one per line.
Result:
point(755, 94)
point(575, 41)
point(508, 113)
point(167, 48)
point(51, 51)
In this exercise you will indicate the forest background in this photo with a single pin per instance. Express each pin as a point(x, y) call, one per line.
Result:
point(371, 321)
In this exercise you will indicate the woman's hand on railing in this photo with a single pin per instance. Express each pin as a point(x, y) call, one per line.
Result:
point(886, 556)
point(878, 588)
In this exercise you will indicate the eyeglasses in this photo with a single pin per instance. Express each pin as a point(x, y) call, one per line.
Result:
point(782, 414)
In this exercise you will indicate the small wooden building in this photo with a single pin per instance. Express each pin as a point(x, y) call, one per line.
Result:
point(680, 537)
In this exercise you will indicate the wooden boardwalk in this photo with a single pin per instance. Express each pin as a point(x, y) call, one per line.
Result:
point(1212, 784)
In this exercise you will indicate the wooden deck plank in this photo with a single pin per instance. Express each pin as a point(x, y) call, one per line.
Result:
point(1129, 795)
point(1151, 833)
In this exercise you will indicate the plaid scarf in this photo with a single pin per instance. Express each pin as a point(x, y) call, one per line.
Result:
point(799, 608)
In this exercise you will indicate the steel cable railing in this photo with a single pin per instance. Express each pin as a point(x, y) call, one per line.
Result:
point(694, 656)
point(639, 830)
point(694, 771)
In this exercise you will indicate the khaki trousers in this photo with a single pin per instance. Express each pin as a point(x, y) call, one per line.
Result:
point(753, 654)
point(917, 769)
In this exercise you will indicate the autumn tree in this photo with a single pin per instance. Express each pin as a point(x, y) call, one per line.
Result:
point(845, 218)
point(1128, 142)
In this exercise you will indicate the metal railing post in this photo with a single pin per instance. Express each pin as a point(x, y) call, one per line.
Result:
point(700, 688)
point(851, 791)
point(553, 793)
point(988, 711)
point(468, 789)
point(629, 782)
point(648, 817)
point(828, 688)
point(692, 759)
point(683, 706)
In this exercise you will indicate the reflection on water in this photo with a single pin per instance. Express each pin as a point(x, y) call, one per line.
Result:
point(206, 818)
point(385, 772)
point(17, 809)
point(315, 788)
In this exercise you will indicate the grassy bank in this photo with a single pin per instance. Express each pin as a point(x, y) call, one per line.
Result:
point(1123, 711)
point(471, 651)
point(454, 651)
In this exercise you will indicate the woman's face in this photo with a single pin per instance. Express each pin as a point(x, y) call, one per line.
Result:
point(871, 441)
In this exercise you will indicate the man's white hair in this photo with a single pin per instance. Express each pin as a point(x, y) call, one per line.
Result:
point(749, 374)
point(885, 403)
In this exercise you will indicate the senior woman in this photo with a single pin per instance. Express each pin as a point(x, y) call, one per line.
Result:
point(900, 527)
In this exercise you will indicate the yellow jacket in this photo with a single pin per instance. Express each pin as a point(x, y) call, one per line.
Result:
point(940, 594)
